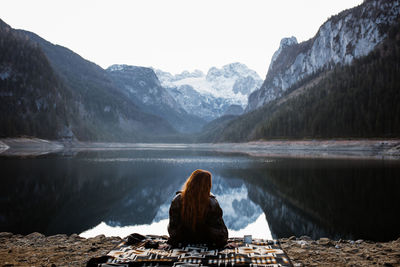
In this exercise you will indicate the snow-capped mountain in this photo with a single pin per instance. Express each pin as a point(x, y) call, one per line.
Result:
point(234, 80)
point(210, 95)
point(205, 106)
point(351, 34)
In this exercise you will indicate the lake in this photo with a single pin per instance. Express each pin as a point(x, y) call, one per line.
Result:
point(118, 192)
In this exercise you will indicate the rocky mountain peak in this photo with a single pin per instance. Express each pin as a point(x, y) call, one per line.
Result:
point(142, 75)
point(187, 74)
point(167, 77)
point(351, 34)
point(288, 41)
point(128, 68)
point(285, 42)
point(209, 96)
point(232, 70)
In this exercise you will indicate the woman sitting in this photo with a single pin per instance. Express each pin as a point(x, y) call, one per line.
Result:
point(195, 216)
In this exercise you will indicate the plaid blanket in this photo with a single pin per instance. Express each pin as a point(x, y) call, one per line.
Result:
point(147, 253)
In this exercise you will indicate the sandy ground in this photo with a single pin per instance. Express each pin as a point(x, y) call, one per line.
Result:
point(61, 250)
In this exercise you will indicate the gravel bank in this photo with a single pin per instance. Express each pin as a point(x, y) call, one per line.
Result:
point(61, 250)
point(58, 250)
point(325, 252)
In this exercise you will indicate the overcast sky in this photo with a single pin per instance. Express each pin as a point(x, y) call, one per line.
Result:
point(172, 35)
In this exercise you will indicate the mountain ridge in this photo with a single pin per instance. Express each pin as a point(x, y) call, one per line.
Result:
point(358, 100)
point(210, 95)
point(93, 108)
point(141, 85)
point(104, 107)
point(350, 34)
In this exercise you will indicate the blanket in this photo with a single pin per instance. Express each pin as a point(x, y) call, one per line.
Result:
point(153, 251)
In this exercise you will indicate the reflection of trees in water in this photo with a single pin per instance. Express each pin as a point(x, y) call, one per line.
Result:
point(284, 219)
point(70, 195)
point(344, 199)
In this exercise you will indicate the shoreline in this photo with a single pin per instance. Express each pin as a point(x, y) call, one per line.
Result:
point(36, 249)
point(329, 148)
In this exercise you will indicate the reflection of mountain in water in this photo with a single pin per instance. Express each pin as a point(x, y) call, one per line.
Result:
point(333, 198)
point(232, 195)
point(285, 219)
point(57, 194)
point(70, 195)
point(239, 211)
point(336, 199)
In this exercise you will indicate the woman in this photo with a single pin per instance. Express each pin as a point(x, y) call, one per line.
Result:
point(195, 216)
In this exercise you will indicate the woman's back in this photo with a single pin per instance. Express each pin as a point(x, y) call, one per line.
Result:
point(211, 230)
point(195, 215)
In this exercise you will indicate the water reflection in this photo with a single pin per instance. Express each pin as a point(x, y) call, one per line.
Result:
point(119, 192)
point(60, 194)
point(240, 214)
point(258, 228)
point(232, 195)
point(349, 199)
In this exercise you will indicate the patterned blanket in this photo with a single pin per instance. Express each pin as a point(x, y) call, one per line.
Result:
point(149, 252)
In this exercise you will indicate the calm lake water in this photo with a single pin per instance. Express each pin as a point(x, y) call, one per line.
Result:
point(126, 191)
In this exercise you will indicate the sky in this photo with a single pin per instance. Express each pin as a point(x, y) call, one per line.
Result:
point(172, 35)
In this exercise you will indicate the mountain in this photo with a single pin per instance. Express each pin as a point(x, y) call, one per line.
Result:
point(205, 106)
point(33, 100)
point(233, 110)
point(359, 99)
point(210, 95)
point(234, 80)
point(51, 92)
point(351, 34)
point(142, 86)
point(214, 130)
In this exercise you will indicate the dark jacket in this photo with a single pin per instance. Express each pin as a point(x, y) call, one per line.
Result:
point(212, 231)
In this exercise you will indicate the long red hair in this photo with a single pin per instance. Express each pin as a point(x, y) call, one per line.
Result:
point(196, 197)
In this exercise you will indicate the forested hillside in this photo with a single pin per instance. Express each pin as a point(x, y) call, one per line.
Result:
point(33, 100)
point(361, 100)
point(48, 91)
point(104, 109)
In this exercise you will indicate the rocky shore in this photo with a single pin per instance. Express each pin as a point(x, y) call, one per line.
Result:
point(58, 250)
point(325, 252)
point(61, 250)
